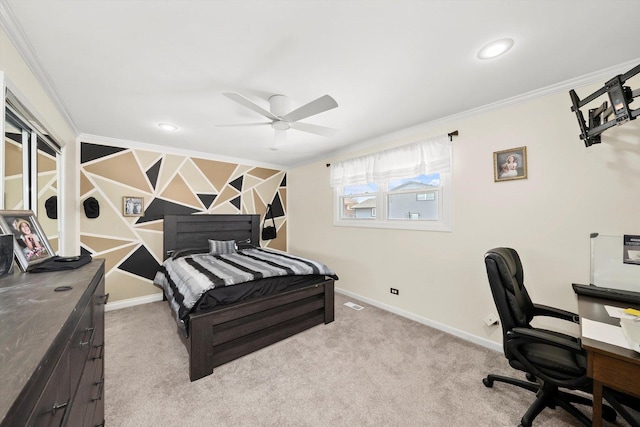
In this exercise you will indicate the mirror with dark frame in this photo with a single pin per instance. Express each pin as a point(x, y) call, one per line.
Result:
point(31, 165)
point(13, 164)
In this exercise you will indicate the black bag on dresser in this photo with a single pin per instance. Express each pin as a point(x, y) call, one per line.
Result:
point(6, 254)
point(269, 232)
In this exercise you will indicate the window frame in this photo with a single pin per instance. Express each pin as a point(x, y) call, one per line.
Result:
point(445, 210)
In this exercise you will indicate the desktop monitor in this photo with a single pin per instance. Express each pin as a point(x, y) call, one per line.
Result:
point(615, 268)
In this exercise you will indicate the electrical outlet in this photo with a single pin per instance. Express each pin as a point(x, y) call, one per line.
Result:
point(491, 319)
point(395, 291)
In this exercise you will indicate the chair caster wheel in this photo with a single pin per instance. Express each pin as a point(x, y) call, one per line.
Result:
point(531, 378)
point(487, 382)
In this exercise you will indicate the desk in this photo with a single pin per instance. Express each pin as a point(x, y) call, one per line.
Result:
point(608, 365)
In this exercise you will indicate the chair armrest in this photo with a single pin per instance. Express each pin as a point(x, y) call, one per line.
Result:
point(545, 310)
point(545, 337)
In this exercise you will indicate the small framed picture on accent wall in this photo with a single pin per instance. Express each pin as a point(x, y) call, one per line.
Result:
point(30, 245)
point(510, 164)
point(132, 206)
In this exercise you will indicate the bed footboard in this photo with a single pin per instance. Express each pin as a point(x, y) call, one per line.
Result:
point(223, 335)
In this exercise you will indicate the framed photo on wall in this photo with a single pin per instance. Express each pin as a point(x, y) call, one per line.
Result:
point(30, 245)
point(132, 206)
point(510, 164)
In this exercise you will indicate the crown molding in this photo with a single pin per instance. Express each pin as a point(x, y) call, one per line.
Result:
point(166, 149)
point(599, 76)
point(19, 39)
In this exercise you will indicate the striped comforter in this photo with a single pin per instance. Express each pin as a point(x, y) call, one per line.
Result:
point(186, 279)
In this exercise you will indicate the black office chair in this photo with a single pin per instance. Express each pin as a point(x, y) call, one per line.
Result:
point(551, 360)
point(627, 406)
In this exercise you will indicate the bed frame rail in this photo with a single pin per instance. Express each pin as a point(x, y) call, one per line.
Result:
point(249, 326)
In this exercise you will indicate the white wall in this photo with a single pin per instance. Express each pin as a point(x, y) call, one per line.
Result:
point(571, 192)
point(24, 84)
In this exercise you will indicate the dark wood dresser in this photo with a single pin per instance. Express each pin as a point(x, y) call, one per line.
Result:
point(52, 348)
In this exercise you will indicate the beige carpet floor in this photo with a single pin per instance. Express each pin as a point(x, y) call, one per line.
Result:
point(367, 368)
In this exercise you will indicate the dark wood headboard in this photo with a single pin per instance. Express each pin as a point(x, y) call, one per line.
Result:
point(194, 231)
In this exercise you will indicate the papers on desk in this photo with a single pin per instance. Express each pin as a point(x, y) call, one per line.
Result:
point(604, 332)
point(618, 312)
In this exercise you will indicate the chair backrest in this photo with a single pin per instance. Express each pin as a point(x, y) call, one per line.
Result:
point(506, 278)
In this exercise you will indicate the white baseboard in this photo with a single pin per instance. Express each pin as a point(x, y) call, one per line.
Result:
point(130, 302)
point(116, 305)
point(442, 327)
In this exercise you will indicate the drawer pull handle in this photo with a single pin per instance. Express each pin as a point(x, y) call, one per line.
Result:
point(105, 299)
point(60, 406)
point(92, 330)
point(99, 356)
point(100, 385)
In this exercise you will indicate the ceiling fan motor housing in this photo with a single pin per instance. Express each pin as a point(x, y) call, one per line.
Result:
point(279, 105)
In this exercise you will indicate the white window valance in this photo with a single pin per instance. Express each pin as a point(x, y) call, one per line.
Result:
point(422, 157)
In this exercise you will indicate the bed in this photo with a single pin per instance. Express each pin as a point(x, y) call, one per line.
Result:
point(218, 329)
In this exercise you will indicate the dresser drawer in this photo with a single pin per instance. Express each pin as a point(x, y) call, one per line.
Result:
point(95, 407)
point(55, 398)
point(89, 391)
point(91, 382)
point(81, 344)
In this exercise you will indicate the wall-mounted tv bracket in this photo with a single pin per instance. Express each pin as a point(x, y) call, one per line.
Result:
point(620, 97)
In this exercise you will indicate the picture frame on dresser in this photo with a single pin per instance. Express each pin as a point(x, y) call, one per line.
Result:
point(30, 244)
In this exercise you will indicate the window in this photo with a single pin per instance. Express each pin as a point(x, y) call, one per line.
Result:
point(383, 190)
point(407, 198)
point(358, 201)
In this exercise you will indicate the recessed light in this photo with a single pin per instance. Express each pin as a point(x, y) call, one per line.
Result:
point(168, 127)
point(495, 49)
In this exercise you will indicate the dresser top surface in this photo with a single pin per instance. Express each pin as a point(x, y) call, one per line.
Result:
point(32, 313)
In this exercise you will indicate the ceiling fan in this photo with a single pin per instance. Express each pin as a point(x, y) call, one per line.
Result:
point(281, 116)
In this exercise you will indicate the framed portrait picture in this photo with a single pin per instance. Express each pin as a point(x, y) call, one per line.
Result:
point(132, 206)
point(30, 244)
point(510, 164)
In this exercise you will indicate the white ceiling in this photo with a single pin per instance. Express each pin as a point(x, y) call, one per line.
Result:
point(119, 67)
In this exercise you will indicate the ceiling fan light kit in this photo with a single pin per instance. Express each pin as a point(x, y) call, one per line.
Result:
point(283, 118)
point(280, 125)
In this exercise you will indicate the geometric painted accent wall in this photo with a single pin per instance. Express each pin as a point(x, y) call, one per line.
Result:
point(169, 184)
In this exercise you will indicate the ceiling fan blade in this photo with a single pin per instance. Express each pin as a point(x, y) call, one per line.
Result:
point(243, 124)
point(320, 105)
point(318, 130)
point(250, 104)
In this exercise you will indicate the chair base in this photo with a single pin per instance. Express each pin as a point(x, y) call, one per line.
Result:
point(618, 402)
point(549, 396)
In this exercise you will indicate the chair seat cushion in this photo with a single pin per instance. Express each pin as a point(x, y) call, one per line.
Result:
point(553, 361)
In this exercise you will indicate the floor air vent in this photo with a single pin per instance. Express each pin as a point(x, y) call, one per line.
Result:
point(354, 306)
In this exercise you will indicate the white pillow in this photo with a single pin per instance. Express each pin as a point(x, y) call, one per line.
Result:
point(221, 247)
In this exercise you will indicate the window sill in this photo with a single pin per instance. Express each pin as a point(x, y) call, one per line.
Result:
point(395, 225)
